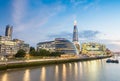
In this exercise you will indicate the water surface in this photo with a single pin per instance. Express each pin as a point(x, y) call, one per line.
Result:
point(96, 70)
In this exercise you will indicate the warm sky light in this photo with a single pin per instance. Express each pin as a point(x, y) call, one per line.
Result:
point(41, 20)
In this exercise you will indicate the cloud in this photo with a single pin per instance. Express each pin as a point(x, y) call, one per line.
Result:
point(66, 35)
point(19, 9)
point(77, 2)
point(39, 16)
point(87, 34)
point(29, 21)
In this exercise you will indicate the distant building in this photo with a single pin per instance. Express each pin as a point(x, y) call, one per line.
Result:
point(75, 37)
point(9, 47)
point(58, 45)
point(93, 49)
point(8, 31)
point(22, 45)
point(49, 46)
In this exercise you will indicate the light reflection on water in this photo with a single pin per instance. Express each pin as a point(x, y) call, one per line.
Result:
point(56, 72)
point(4, 78)
point(43, 74)
point(26, 75)
point(97, 70)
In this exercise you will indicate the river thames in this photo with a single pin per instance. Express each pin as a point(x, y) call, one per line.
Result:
point(95, 70)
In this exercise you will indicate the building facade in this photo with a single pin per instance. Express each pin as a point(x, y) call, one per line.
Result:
point(49, 46)
point(9, 47)
point(65, 46)
point(8, 31)
point(58, 45)
point(93, 49)
point(76, 37)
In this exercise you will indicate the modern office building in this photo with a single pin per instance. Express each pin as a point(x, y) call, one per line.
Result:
point(49, 45)
point(20, 44)
point(95, 49)
point(8, 31)
point(7, 47)
point(75, 37)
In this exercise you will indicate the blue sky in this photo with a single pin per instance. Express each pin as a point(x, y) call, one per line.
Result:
point(43, 20)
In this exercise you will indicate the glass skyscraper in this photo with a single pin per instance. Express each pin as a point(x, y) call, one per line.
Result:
point(8, 31)
point(75, 37)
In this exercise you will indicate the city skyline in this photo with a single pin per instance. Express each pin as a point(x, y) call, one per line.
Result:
point(43, 20)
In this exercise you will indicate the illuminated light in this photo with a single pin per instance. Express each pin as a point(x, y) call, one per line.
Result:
point(70, 66)
point(43, 74)
point(75, 22)
point(76, 70)
point(5, 77)
point(27, 75)
point(92, 68)
point(64, 72)
point(81, 68)
point(56, 72)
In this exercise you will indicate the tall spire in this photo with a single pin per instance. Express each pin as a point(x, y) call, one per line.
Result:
point(75, 23)
point(75, 32)
point(75, 37)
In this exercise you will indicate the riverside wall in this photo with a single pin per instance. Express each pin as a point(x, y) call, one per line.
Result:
point(30, 63)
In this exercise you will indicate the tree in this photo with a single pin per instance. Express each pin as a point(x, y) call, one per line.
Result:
point(55, 54)
point(43, 52)
point(32, 51)
point(20, 53)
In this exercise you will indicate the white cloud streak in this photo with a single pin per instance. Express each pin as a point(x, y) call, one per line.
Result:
point(34, 20)
point(19, 9)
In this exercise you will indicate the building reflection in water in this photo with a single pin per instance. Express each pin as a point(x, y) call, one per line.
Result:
point(56, 72)
point(94, 69)
point(43, 74)
point(64, 72)
point(80, 68)
point(70, 67)
point(76, 70)
point(26, 75)
point(5, 77)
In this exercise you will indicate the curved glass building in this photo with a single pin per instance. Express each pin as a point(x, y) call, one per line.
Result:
point(65, 46)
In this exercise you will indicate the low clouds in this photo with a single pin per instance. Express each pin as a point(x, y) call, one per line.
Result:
point(86, 34)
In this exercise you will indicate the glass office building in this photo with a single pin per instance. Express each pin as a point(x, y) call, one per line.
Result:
point(65, 46)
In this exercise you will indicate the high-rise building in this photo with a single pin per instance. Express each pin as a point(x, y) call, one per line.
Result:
point(75, 36)
point(8, 31)
point(75, 32)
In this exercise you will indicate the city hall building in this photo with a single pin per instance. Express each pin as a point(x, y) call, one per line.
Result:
point(58, 45)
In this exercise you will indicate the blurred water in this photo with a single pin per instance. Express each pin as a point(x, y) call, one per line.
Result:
point(97, 70)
